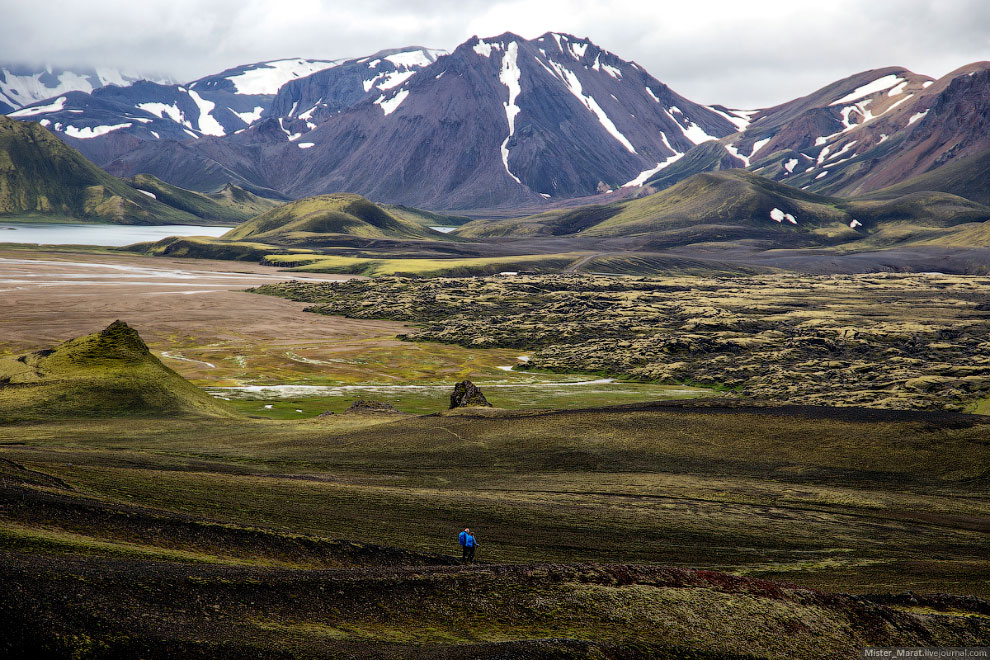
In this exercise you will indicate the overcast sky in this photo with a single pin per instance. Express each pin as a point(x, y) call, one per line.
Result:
point(744, 54)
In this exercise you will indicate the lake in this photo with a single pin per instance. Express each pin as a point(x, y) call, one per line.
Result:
point(53, 233)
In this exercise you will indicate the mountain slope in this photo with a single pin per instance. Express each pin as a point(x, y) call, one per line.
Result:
point(498, 122)
point(108, 374)
point(230, 204)
point(41, 175)
point(735, 205)
point(22, 85)
point(110, 122)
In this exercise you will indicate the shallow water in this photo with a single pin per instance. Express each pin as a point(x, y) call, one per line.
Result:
point(289, 400)
point(52, 233)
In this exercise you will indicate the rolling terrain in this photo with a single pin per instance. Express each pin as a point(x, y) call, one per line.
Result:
point(42, 178)
point(599, 535)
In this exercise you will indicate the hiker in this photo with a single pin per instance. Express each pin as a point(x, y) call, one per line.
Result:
point(468, 544)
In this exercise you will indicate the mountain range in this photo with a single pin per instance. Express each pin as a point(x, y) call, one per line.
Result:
point(509, 123)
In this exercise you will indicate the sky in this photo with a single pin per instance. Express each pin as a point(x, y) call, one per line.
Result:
point(743, 54)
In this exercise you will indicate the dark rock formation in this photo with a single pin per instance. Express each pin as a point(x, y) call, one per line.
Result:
point(467, 394)
point(368, 407)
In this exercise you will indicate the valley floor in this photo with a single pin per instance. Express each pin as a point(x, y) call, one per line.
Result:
point(646, 530)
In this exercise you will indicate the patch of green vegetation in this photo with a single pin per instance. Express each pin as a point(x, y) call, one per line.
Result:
point(327, 214)
point(232, 204)
point(110, 373)
point(42, 176)
point(874, 340)
point(425, 218)
point(425, 267)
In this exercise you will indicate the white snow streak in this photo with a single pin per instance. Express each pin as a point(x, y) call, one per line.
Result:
point(915, 117)
point(254, 115)
point(305, 145)
point(855, 223)
point(148, 193)
point(207, 124)
point(790, 165)
point(646, 174)
point(574, 87)
point(650, 92)
point(878, 85)
point(759, 144)
point(612, 71)
point(57, 105)
point(509, 76)
point(92, 131)
point(160, 110)
point(389, 106)
point(415, 58)
point(740, 121)
point(269, 76)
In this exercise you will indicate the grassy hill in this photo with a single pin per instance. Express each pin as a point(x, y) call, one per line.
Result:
point(230, 204)
point(967, 177)
point(352, 215)
point(735, 205)
point(108, 374)
point(42, 177)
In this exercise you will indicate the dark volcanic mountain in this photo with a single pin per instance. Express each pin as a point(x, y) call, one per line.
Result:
point(505, 123)
point(868, 131)
point(498, 122)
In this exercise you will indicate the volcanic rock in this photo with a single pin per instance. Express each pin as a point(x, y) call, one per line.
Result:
point(467, 394)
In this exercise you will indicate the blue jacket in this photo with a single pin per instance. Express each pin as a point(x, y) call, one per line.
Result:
point(462, 537)
point(467, 539)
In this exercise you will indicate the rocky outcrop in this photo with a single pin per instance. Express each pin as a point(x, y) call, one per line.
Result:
point(369, 407)
point(466, 394)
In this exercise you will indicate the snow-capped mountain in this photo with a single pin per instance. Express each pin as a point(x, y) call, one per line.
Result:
point(112, 121)
point(869, 130)
point(508, 122)
point(22, 85)
point(498, 121)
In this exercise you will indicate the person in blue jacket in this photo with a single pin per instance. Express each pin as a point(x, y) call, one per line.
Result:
point(468, 544)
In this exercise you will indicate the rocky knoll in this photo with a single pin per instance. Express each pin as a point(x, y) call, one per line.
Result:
point(467, 394)
point(882, 340)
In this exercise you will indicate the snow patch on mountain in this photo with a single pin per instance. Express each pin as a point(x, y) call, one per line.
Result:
point(160, 110)
point(390, 105)
point(267, 77)
point(55, 106)
point(915, 117)
point(878, 85)
point(759, 144)
point(574, 87)
point(509, 76)
point(646, 174)
point(255, 115)
point(207, 124)
point(91, 132)
point(739, 118)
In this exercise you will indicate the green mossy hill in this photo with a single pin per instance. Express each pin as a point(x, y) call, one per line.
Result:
point(966, 177)
point(425, 218)
point(734, 205)
point(347, 214)
point(229, 204)
point(39, 175)
point(107, 374)
point(706, 157)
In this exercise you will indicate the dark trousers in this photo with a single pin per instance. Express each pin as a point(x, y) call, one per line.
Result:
point(467, 553)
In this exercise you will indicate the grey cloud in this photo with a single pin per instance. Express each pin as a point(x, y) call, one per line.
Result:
point(714, 51)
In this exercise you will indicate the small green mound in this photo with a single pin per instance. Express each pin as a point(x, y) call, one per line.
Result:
point(347, 214)
point(107, 374)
